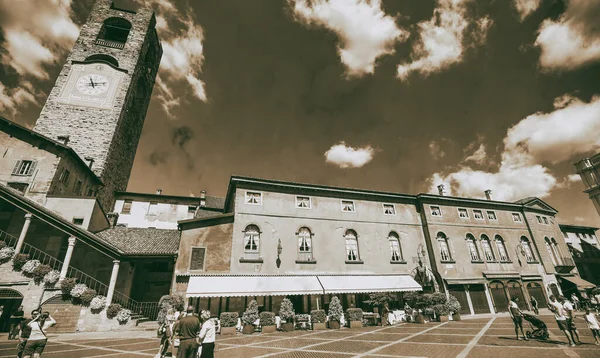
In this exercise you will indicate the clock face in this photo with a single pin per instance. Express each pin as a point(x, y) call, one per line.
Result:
point(92, 84)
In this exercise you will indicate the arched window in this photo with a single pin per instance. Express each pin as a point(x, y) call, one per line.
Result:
point(114, 32)
point(444, 248)
point(472, 248)
point(502, 252)
point(251, 242)
point(351, 245)
point(487, 248)
point(395, 248)
point(556, 251)
point(551, 251)
point(527, 249)
point(103, 58)
point(304, 243)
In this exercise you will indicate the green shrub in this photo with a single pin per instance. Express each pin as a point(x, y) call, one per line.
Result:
point(335, 309)
point(229, 319)
point(267, 318)
point(67, 285)
point(354, 314)
point(87, 296)
point(113, 310)
point(453, 305)
point(318, 316)
point(169, 302)
point(251, 314)
point(19, 260)
point(39, 272)
point(286, 311)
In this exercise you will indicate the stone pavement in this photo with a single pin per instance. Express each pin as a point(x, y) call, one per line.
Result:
point(486, 337)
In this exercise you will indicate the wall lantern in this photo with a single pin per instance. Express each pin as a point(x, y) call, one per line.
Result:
point(279, 249)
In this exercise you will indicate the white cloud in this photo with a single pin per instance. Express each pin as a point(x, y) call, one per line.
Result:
point(571, 129)
point(345, 156)
point(573, 40)
point(12, 98)
point(435, 149)
point(573, 178)
point(479, 156)
point(365, 31)
point(440, 43)
point(526, 7)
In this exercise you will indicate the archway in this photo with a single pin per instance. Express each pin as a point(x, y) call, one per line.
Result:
point(535, 290)
point(499, 296)
point(554, 289)
point(11, 300)
point(514, 290)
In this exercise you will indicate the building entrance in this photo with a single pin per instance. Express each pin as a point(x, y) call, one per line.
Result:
point(10, 300)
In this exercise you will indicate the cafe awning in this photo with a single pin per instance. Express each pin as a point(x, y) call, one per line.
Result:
point(252, 285)
point(368, 283)
point(578, 281)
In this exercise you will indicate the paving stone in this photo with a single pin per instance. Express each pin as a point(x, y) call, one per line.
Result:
point(439, 338)
point(243, 352)
point(502, 341)
point(291, 343)
point(379, 337)
point(298, 354)
point(503, 352)
point(422, 350)
point(347, 346)
point(454, 330)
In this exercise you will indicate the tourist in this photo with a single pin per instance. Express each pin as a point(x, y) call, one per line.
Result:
point(570, 315)
point(517, 317)
point(593, 325)
point(534, 305)
point(207, 336)
point(187, 329)
point(24, 332)
point(561, 320)
point(15, 319)
point(408, 312)
point(37, 338)
point(166, 334)
point(575, 301)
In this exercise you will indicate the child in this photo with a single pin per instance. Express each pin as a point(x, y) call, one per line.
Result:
point(593, 325)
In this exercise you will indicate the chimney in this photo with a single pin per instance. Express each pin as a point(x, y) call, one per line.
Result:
point(112, 219)
point(158, 191)
point(441, 190)
point(64, 139)
point(203, 199)
point(90, 160)
point(488, 194)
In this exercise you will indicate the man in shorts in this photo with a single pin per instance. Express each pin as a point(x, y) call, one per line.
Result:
point(561, 320)
point(517, 317)
point(570, 315)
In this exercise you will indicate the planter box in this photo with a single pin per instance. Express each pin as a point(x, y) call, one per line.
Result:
point(355, 324)
point(287, 327)
point(227, 331)
point(269, 329)
point(456, 317)
point(248, 329)
point(442, 318)
point(318, 326)
point(334, 324)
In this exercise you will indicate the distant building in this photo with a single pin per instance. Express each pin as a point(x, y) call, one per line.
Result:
point(585, 249)
point(589, 170)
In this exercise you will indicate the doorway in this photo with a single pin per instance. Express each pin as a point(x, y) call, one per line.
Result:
point(11, 300)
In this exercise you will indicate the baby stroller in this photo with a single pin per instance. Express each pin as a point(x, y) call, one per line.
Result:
point(540, 331)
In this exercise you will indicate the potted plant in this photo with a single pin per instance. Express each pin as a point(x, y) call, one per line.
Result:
point(454, 307)
point(67, 285)
point(249, 317)
point(335, 313)
point(318, 318)
point(418, 301)
point(229, 322)
point(112, 310)
point(439, 306)
point(39, 272)
point(19, 260)
point(267, 322)
point(302, 320)
point(354, 317)
point(286, 313)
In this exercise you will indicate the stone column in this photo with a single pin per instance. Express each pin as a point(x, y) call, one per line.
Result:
point(23, 233)
point(113, 282)
point(67, 261)
point(469, 299)
point(489, 298)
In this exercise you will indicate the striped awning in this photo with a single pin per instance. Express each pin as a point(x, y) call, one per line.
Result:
point(368, 283)
point(239, 286)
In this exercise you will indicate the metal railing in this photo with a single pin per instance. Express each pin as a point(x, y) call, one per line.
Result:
point(10, 240)
point(37, 254)
point(111, 44)
point(567, 261)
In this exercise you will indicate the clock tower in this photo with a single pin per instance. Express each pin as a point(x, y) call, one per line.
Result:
point(100, 98)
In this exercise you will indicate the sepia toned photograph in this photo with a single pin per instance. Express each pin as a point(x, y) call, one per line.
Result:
point(299, 178)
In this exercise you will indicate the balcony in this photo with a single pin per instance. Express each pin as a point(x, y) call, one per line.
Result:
point(567, 264)
point(111, 44)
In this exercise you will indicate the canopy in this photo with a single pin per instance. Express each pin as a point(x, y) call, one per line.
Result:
point(579, 282)
point(239, 286)
point(368, 283)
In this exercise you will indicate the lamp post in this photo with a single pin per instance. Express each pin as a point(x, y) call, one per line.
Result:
point(279, 249)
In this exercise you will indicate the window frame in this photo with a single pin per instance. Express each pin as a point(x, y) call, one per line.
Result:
point(310, 246)
point(64, 176)
point(488, 242)
point(16, 185)
point(346, 247)
point(466, 211)
point(78, 218)
point(479, 211)
point(546, 222)
point(78, 187)
point(192, 256)
point(517, 215)
point(348, 201)
point(539, 219)
point(125, 202)
point(392, 206)
point(443, 239)
point(499, 241)
point(395, 237)
point(303, 207)
point(251, 255)
point(469, 238)
point(525, 243)
point(493, 212)
point(247, 197)
point(432, 208)
point(19, 166)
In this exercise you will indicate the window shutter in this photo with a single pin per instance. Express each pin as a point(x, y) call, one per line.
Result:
point(32, 167)
point(16, 168)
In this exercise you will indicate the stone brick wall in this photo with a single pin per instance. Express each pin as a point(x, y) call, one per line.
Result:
point(110, 136)
point(32, 293)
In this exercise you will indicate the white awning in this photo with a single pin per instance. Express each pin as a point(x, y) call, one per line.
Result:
point(368, 283)
point(239, 286)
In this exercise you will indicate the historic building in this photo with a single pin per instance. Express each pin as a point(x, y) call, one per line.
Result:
point(589, 170)
point(585, 251)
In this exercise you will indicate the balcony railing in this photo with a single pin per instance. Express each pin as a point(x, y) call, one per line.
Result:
point(111, 44)
point(565, 265)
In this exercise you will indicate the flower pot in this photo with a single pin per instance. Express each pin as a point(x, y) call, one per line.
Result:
point(334, 324)
point(248, 329)
point(269, 329)
point(443, 318)
point(355, 324)
point(419, 318)
point(228, 331)
point(456, 316)
point(287, 327)
point(318, 326)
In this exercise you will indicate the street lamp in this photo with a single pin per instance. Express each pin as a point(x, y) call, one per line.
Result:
point(279, 249)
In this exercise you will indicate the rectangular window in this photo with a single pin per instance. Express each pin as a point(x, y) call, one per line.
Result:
point(303, 202)
point(126, 207)
point(77, 187)
point(153, 208)
point(492, 215)
point(197, 260)
point(253, 198)
point(516, 217)
point(435, 211)
point(192, 209)
point(24, 167)
point(477, 214)
point(348, 206)
point(389, 209)
point(551, 221)
point(539, 219)
point(545, 220)
point(78, 221)
point(64, 177)
point(21, 187)
point(463, 213)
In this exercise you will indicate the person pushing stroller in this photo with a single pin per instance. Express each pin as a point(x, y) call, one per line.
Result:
point(539, 328)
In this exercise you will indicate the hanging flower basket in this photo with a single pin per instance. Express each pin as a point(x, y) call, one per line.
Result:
point(51, 278)
point(29, 267)
point(78, 290)
point(97, 304)
point(6, 253)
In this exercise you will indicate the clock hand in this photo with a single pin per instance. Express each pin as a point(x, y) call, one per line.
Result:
point(92, 82)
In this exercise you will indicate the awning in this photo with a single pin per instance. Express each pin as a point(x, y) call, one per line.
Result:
point(466, 281)
point(528, 277)
point(239, 286)
point(500, 274)
point(368, 283)
point(578, 281)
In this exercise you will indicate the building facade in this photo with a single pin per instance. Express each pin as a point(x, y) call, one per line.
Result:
point(585, 251)
point(589, 171)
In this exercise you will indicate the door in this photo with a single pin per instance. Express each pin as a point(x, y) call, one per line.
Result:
point(478, 299)
point(10, 300)
point(499, 296)
point(514, 290)
point(458, 291)
point(536, 290)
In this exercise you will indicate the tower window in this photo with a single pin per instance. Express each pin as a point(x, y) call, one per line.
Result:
point(77, 188)
point(24, 167)
point(114, 32)
point(64, 177)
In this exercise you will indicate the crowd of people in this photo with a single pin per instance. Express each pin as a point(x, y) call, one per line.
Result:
point(187, 335)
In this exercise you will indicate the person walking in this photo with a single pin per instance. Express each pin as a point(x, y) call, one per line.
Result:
point(517, 317)
point(24, 332)
point(15, 319)
point(187, 329)
point(207, 336)
point(37, 338)
point(575, 301)
point(593, 325)
point(561, 320)
point(534, 305)
point(570, 315)
point(166, 335)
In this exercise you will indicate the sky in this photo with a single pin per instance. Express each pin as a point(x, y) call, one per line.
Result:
point(391, 95)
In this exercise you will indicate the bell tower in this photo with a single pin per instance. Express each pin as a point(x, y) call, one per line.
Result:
point(102, 93)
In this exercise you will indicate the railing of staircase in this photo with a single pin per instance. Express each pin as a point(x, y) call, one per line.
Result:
point(10, 240)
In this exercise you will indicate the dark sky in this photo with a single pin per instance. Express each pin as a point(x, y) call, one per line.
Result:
point(278, 97)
